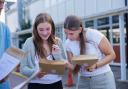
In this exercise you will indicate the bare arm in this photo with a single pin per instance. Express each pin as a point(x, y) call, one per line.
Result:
point(76, 67)
point(108, 51)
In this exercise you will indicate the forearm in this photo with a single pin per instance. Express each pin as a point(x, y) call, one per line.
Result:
point(27, 71)
point(107, 59)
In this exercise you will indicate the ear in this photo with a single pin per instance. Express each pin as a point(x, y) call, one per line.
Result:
point(80, 29)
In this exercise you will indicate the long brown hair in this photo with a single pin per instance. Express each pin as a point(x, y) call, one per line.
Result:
point(73, 23)
point(39, 49)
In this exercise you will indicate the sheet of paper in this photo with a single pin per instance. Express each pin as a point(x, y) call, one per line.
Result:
point(20, 86)
point(7, 64)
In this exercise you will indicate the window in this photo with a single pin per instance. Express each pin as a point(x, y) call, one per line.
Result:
point(103, 21)
point(116, 35)
point(89, 24)
point(115, 19)
point(105, 31)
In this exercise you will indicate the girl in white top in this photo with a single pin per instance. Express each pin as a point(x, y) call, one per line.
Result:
point(90, 41)
point(43, 45)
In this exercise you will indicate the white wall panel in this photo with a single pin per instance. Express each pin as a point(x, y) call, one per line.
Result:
point(90, 7)
point(46, 3)
point(60, 1)
point(35, 9)
point(53, 2)
point(117, 4)
point(103, 5)
point(80, 7)
point(69, 7)
point(61, 12)
point(12, 21)
point(54, 14)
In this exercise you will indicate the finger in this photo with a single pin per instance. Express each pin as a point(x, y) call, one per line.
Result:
point(55, 47)
point(43, 72)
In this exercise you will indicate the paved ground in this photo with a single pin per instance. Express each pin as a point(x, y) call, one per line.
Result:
point(120, 84)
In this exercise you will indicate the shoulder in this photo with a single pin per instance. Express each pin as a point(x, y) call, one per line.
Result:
point(90, 32)
point(29, 41)
point(28, 45)
point(93, 35)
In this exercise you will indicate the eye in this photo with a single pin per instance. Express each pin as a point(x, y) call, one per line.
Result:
point(40, 29)
point(48, 29)
point(70, 33)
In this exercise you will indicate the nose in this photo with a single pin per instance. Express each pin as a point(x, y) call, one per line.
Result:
point(69, 36)
point(45, 33)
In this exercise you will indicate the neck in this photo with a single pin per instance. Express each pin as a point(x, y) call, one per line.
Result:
point(45, 42)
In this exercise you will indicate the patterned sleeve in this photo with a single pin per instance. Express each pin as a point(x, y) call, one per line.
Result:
point(25, 68)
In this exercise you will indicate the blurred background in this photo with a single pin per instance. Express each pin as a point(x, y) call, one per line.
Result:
point(108, 16)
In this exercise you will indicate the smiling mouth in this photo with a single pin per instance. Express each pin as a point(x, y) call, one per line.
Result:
point(44, 35)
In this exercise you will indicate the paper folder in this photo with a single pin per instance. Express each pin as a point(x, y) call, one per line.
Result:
point(49, 66)
point(84, 59)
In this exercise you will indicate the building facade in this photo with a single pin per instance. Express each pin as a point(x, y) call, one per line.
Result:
point(103, 15)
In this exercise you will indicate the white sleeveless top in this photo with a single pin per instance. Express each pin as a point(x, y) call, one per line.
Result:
point(93, 38)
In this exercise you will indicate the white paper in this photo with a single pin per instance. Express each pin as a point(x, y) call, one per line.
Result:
point(20, 86)
point(7, 64)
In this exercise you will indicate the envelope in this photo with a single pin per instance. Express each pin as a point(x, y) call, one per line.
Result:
point(84, 59)
point(16, 52)
point(52, 66)
point(10, 60)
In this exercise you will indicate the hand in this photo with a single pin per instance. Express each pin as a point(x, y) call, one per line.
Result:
point(55, 49)
point(69, 65)
point(41, 74)
point(91, 68)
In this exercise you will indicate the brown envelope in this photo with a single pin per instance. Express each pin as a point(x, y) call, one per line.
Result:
point(49, 66)
point(16, 52)
point(84, 59)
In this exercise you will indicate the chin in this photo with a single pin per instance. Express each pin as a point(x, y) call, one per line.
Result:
point(45, 38)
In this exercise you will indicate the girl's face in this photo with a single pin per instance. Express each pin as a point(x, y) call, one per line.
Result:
point(72, 35)
point(44, 30)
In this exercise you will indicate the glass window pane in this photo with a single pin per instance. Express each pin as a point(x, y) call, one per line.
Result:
point(116, 35)
point(115, 19)
point(89, 23)
point(103, 21)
